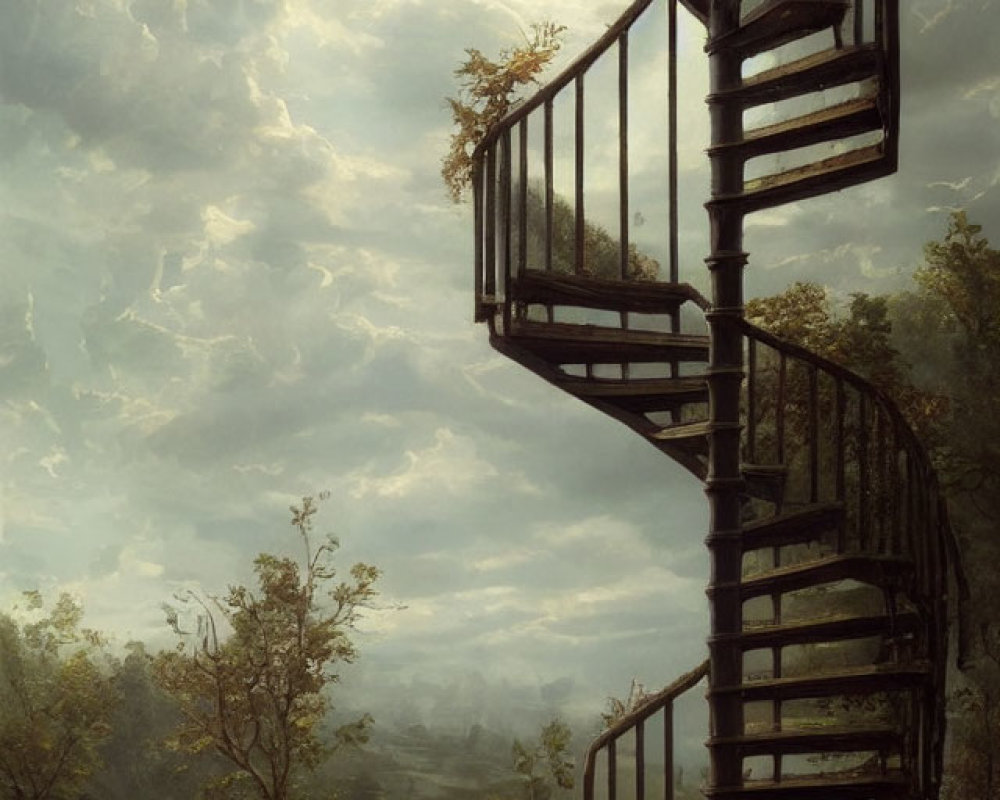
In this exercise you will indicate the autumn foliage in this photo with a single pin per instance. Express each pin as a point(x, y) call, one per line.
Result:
point(488, 90)
point(256, 695)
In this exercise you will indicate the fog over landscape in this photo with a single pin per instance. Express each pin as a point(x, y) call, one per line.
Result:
point(232, 276)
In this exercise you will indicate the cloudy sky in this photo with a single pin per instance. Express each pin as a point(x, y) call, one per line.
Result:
point(232, 277)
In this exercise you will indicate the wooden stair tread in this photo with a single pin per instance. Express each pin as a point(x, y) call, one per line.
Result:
point(641, 395)
point(777, 22)
point(815, 72)
point(683, 430)
point(821, 738)
point(571, 343)
point(793, 527)
point(853, 680)
point(828, 630)
point(584, 291)
point(635, 387)
point(858, 566)
point(829, 786)
point(820, 177)
point(837, 121)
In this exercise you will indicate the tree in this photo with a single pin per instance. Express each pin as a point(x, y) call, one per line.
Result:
point(488, 90)
point(950, 325)
point(257, 695)
point(602, 251)
point(545, 765)
point(55, 701)
point(961, 281)
point(136, 765)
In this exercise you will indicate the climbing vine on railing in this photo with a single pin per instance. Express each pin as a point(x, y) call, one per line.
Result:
point(488, 90)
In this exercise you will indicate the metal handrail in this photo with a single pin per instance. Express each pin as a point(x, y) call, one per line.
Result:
point(662, 700)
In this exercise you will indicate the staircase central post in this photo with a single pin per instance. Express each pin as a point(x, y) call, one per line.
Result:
point(724, 483)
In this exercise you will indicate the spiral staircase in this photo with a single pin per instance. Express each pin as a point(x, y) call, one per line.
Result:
point(830, 544)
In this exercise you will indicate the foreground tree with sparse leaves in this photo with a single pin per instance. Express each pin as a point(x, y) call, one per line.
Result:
point(255, 693)
point(55, 701)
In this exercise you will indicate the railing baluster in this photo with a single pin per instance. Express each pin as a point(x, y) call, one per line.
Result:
point(813, 434)
point(491, 223)
point(612, 769)
point(505, 225)
point(668, 751)
point(549, 199)
point(863, 471)
point(859, 21)
point(841, 467)
point(623, 208)
point(640, 761)
point(672, 136)
point(895, 491)
point(522, 171)
point(780, 407)
point(751, 454)
point(882, 479)
point(580, 222)
point(477, 201)
point(910, 523)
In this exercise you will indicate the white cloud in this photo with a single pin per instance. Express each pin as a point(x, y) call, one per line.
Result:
point(221, 228)
point(450, 466)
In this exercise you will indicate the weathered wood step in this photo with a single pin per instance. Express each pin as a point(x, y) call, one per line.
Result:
point(854, 680)
point(794, 527)
point(815, 72)
point(820, 739)
point(560, 289)
point(565, 343)
point(777, 22)
point(684, 431)
point(639, 395)
point(828, 630)
point(834, 122)
point(820, 177)
point(873, 569)
point(838, 786)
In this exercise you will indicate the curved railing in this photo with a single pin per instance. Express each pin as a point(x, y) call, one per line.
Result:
point(502, 162)
point(842, 440)
point(634, 722)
